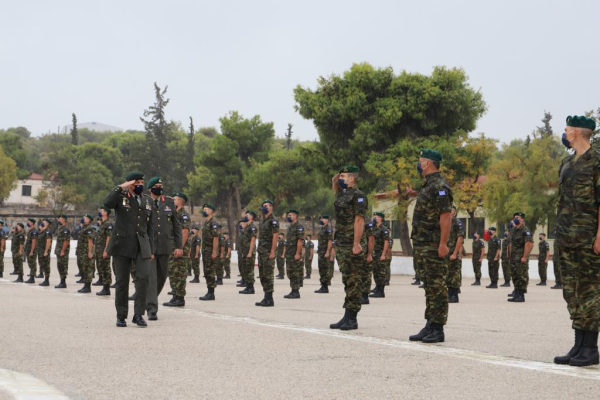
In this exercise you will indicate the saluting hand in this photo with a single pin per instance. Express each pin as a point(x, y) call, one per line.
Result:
point(126, 185)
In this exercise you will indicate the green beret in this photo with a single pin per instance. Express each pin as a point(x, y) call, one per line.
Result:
point(431, 155)
point(349, 168)
point(153, 181)
point(134, 176)
point(21, 225)
point(108, 211)
point(62, 216)
point(294, 212)
point(182, 195)
point(379, 214)
point(208, 205)
point(268, 202)
point(577, 121)
point(48, 220)
point(195, 228)
point(31, 220)
point(89, 216)
point(251, 213)
point(324, 217)
point(493, 228)
point(519, 214)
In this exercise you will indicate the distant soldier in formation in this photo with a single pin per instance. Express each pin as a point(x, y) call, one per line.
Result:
point(44, 246)
point(210, 244)
point(417, 270)
point(2, 247)
point(227, 256)
point(455, 248)
point(102, 256)
point(39, 247)
point(238, 246)
point(78, 253)
point(17, 248)
point(543, 257)
point(195, 253)
point(478, 253)
point(380, 250)
point(493, 257)
point(63, 245)
point(30, 250)
point(248, 243)
point(506, 267)
point(556, 263)
point(267, 246)
point(324, 245)
point(86, 235)
point(220, 264)
point(280, 256)
point(309, 252)
point(293, 254)
point(521, 244)
point(388, 261)
point(178, 260)
point(366, 272)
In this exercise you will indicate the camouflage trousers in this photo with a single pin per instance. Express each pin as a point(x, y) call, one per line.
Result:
point(178, 275)
point(379, 271)
point(63, 266)
point(366, 276)
point(435, 272)
point(331, 270)
point(493, 266)
point(388, 269)
point(294, 272)
point(280, 265)
point(417, 268)
point(1, 262)
point(477, 267)
point(521, 275)
point(18, 263)
point(44, 262)
point(308, 266)
point(31, 261)
point(220, 271)
point(324, 270)
point(87, 266)
point(196, 266)
point(227, 266)
point(350, 266)
point(266, 272)
point(247, 268)
point(506, 270)
point(557, 269)
point(208, 266)
point(455, 273)
point(543, 270)
point(103, 267)
point(580, 272)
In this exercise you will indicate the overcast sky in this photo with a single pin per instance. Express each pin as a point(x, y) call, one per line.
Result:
point(99, 59)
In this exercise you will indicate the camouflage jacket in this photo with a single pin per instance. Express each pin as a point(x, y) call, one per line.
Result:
point(196, 241)
point(308, 245)
point(103, 233)
point(18, 238)
point(32, 234)
point(434, 198)
point(543, 248)
point(494, 244)
point(505, 243)
point(248, 233)
point(86, 233)
point(280, 247)
point(268, 228)
point(295, 233)
point(64, 235)
point(43, 236)
point(209, 232)
point(456, 231)
point(348, 203)
point(325, 235)
point(185, 222)
point(477, 246)
point(520, 236)
point(382, 233)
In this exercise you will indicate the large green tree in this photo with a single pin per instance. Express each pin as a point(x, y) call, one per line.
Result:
point(8, 175)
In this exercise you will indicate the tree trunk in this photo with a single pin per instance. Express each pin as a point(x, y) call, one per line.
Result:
point(238, 201)
point(472, 223)
point(312, 220)
point(232, 232)
point(407, 248)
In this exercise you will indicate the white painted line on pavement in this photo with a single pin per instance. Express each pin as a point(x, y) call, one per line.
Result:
point(26, 387)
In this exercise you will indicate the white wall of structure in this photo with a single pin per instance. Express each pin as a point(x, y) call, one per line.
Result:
point(17, 196)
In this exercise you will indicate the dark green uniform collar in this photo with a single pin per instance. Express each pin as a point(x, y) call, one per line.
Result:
point(433, 175)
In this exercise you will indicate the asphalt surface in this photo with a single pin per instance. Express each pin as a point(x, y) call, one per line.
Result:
point(230, 348)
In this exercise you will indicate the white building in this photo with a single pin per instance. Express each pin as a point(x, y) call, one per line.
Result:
point(26, 191)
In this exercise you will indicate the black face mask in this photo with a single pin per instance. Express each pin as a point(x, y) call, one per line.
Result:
point(138, 189)
point(157, 191)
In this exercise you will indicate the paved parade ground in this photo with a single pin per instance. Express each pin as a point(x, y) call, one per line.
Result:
point(60, 344)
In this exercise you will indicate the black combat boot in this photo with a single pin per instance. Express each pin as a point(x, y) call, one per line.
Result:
point(219, 281)
point(307, 276)
point(379, 291)
point(422, 285)
point(196, 279)
point(513, 293)
point(40, 275)
point(579, 334)
point(452, 295)
point(506, 283)
point(477, 282)
point(241, 283)
point(341, 322)
point(105, 291)
point(78, 274)
point(31, 279)
point(417, 282)
point(189, 272)
point(62, 284)
point(323, 289)
point(178, 301)
point(208, 296)
point(167, 304)
point(267, 301)
point(436, 335)
point(557, 286)
point(46, 282)
point(132, 297)
point(81, 280)
point(294, 294)
point(589, 351)
point(492, 285)
point(19, 279)
point(86, 288)
point(98, 282)
point(249, 289)
point(351, 321)
point(541, 283)
point(519, 296)
point(280, 276)
point(423, 333)
point(364, 298)
point(227, 276)
point(14, 272)
point(139, 321)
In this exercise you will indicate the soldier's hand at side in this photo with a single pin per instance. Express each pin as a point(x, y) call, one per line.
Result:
point(213, 255)
point(90, 256)
point(178, 253)
point(443, 250)
point(126, 185)
point(523, 259)
point(356, 249)
point(104, 255)
point(382, 258)
point(326, 255)
point(151, 257)
point(452, 257)
point(62, 253)
point(297, 257)
point(597, 245)
point(369, 258)
point(271, 256)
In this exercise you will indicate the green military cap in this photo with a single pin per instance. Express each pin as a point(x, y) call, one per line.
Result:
point(379, 214)
point(108, 211)
point(31, 220)
point(225, 233)
point(493, 228)
point(577, 121)
point(89, 216)
point(431, 155)
point(48, 220)
point(208, 205)
point(294, 212)
point(134, 176)
point(62, 216)
point(251, 213)
point(21, 225)
point(267, 202)
point(182, 195)
point(519, 214)
point(1, 221)
point(324, 216)
point(153, 181)
point(195, 227)
point(349, 168)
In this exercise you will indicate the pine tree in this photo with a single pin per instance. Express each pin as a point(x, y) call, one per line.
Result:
point(74, 131)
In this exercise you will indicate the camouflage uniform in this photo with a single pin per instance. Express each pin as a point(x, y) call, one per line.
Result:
point(3, 236)
point(434, 199)
point(494, 244)
point(18, 239)
point(86, 233)
point(103, 264)
point(382, 234)
point(325, 235)
point(196, 241)
point(556, 263)
point(266, 267)
point(248, 233)
point(227, 259)
point(294, 267)
point(44, 260)
point(543, 249)
point(455, 266)
point(209, 232)
point(280, 259)
point(576, 228)
point(178, 266)
point(349, 203)
point(366, 272)
point(520, 236)
point(388, 261)
point(64, 235)
point(31, 259)
point(308, 246)
point(220, 261)
point(506, 266)
point(478, 245)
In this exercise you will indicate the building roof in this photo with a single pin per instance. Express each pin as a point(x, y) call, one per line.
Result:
point(36, 177)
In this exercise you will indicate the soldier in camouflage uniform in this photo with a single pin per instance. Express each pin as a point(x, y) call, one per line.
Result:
point(38, 248)
point(102, 256)
point(293, 254)
point(280, 257)
point(17, 248)
point(44, 246)
point(79, 255)
point(579, 240)
point(178, 263)
point(86, 236)
point(227, 256)
point(63, 245)
point(323, 253)
point(351, 206)
point(521, 244)
point(195, 253)
point(478, 253)
point(366, 272)
point(388, 261)
point(238, 247)
point(493, 257)
point(506, 267)
point(457, 238)
point(543, 256)
point(556, 263)
point(267, 245)
point(220, 261)
point(30, 247)
point(309, 252)
point(2, 247)
point(431, 225)
point(417, 269)
point(248, 246)
point(380, 250)
point(210, 244)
